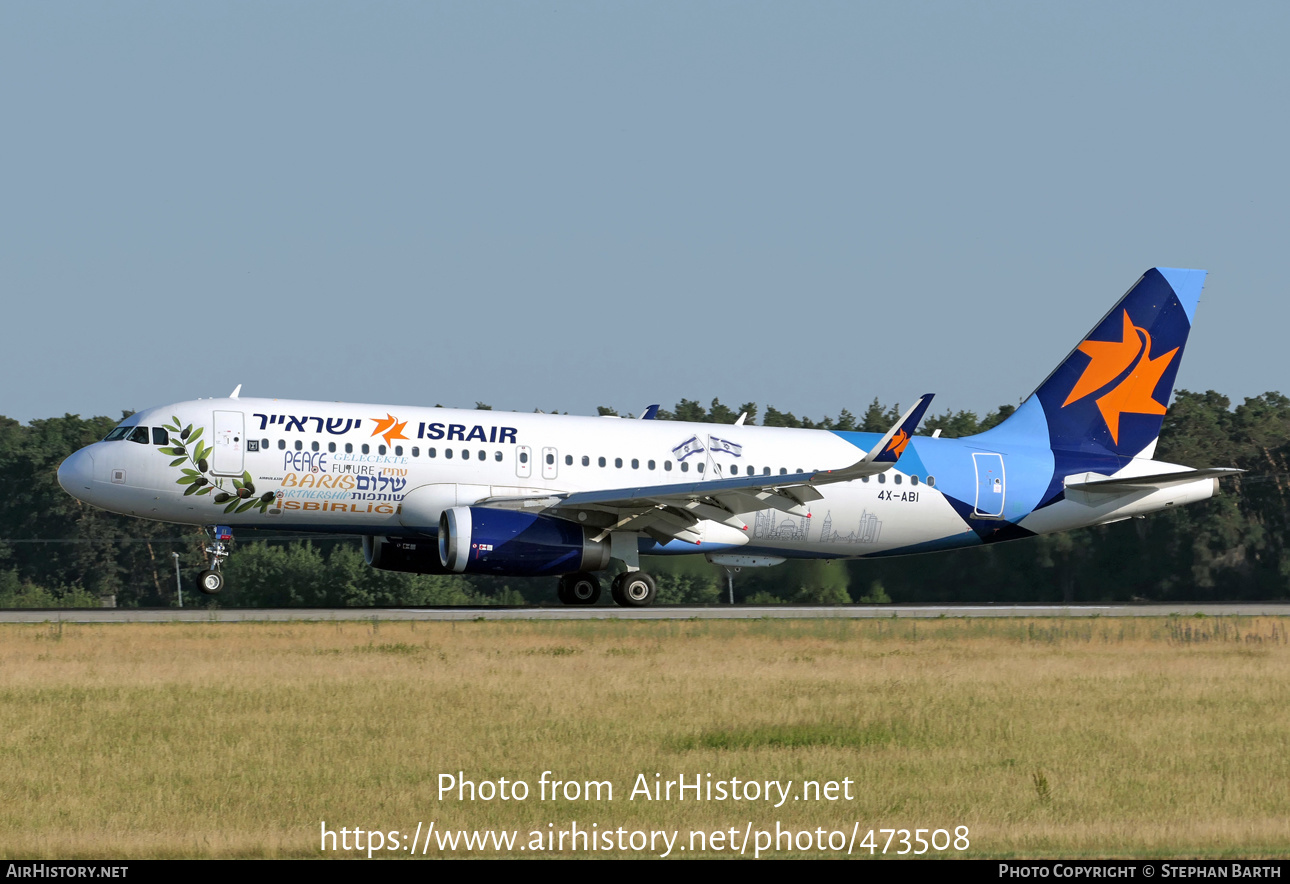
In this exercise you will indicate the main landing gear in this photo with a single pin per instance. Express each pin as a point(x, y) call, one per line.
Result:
point(632, 589)
point(582, 588)
point(211, 581)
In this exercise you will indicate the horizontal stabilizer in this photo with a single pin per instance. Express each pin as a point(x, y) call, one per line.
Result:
point(1093, 483)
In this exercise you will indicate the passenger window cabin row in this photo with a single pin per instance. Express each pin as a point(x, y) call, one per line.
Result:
point(731, 469)
point(158, 436)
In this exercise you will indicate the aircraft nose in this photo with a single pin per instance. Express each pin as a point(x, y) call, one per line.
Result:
point(76, 473)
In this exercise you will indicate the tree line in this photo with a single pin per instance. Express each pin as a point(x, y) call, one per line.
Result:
point(57, 551)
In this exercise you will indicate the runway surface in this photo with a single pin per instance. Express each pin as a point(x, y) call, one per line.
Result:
point(726, 612)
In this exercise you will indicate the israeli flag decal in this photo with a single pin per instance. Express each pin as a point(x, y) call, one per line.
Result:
point(688, 447)
point(724, 446)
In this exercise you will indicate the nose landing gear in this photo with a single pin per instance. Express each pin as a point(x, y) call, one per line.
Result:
point(211, 581)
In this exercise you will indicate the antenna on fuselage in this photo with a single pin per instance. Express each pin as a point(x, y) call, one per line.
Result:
point(236, 390)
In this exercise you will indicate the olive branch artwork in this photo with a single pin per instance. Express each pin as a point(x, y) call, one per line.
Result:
point(190, 449)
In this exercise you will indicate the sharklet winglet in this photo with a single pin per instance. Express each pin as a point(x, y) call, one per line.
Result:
point(892, 445)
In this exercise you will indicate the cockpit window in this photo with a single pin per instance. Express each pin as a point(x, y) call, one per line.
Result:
point(140, 435)
point(160, 436)
point(118, 433)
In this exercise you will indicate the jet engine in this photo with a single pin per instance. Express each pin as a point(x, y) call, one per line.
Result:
point(482, 540)
point(411, 555)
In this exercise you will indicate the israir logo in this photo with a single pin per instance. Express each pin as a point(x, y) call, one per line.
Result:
point(389, 428)
point(1124, 373)
point(898, 443)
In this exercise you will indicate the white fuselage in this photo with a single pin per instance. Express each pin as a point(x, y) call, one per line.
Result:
point(346, 468)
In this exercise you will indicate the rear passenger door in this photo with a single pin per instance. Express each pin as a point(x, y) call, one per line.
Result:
point(990, 489)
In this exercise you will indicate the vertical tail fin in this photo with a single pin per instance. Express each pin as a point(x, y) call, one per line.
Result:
point(1109, 395)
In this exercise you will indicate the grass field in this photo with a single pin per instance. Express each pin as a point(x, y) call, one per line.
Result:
point(1089, 737)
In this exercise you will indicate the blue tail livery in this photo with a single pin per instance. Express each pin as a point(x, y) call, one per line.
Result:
point(1110, 394)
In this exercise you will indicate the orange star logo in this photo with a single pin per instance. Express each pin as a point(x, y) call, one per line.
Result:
point(898, 443)
point(390, 428)
point(1107, 361)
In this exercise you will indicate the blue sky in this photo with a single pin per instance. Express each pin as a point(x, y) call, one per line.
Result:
point(566, 205)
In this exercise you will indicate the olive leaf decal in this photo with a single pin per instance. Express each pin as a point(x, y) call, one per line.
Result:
point(235, 494)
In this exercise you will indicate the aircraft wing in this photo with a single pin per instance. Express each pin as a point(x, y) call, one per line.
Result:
point(668, 512)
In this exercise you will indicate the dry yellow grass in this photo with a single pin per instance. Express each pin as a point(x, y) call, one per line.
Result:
point(1045, 737)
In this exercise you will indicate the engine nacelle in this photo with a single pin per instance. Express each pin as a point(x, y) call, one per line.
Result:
point(413, 556)
point(482, 540)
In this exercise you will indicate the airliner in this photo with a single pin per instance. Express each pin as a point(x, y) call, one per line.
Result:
point(447, 491)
